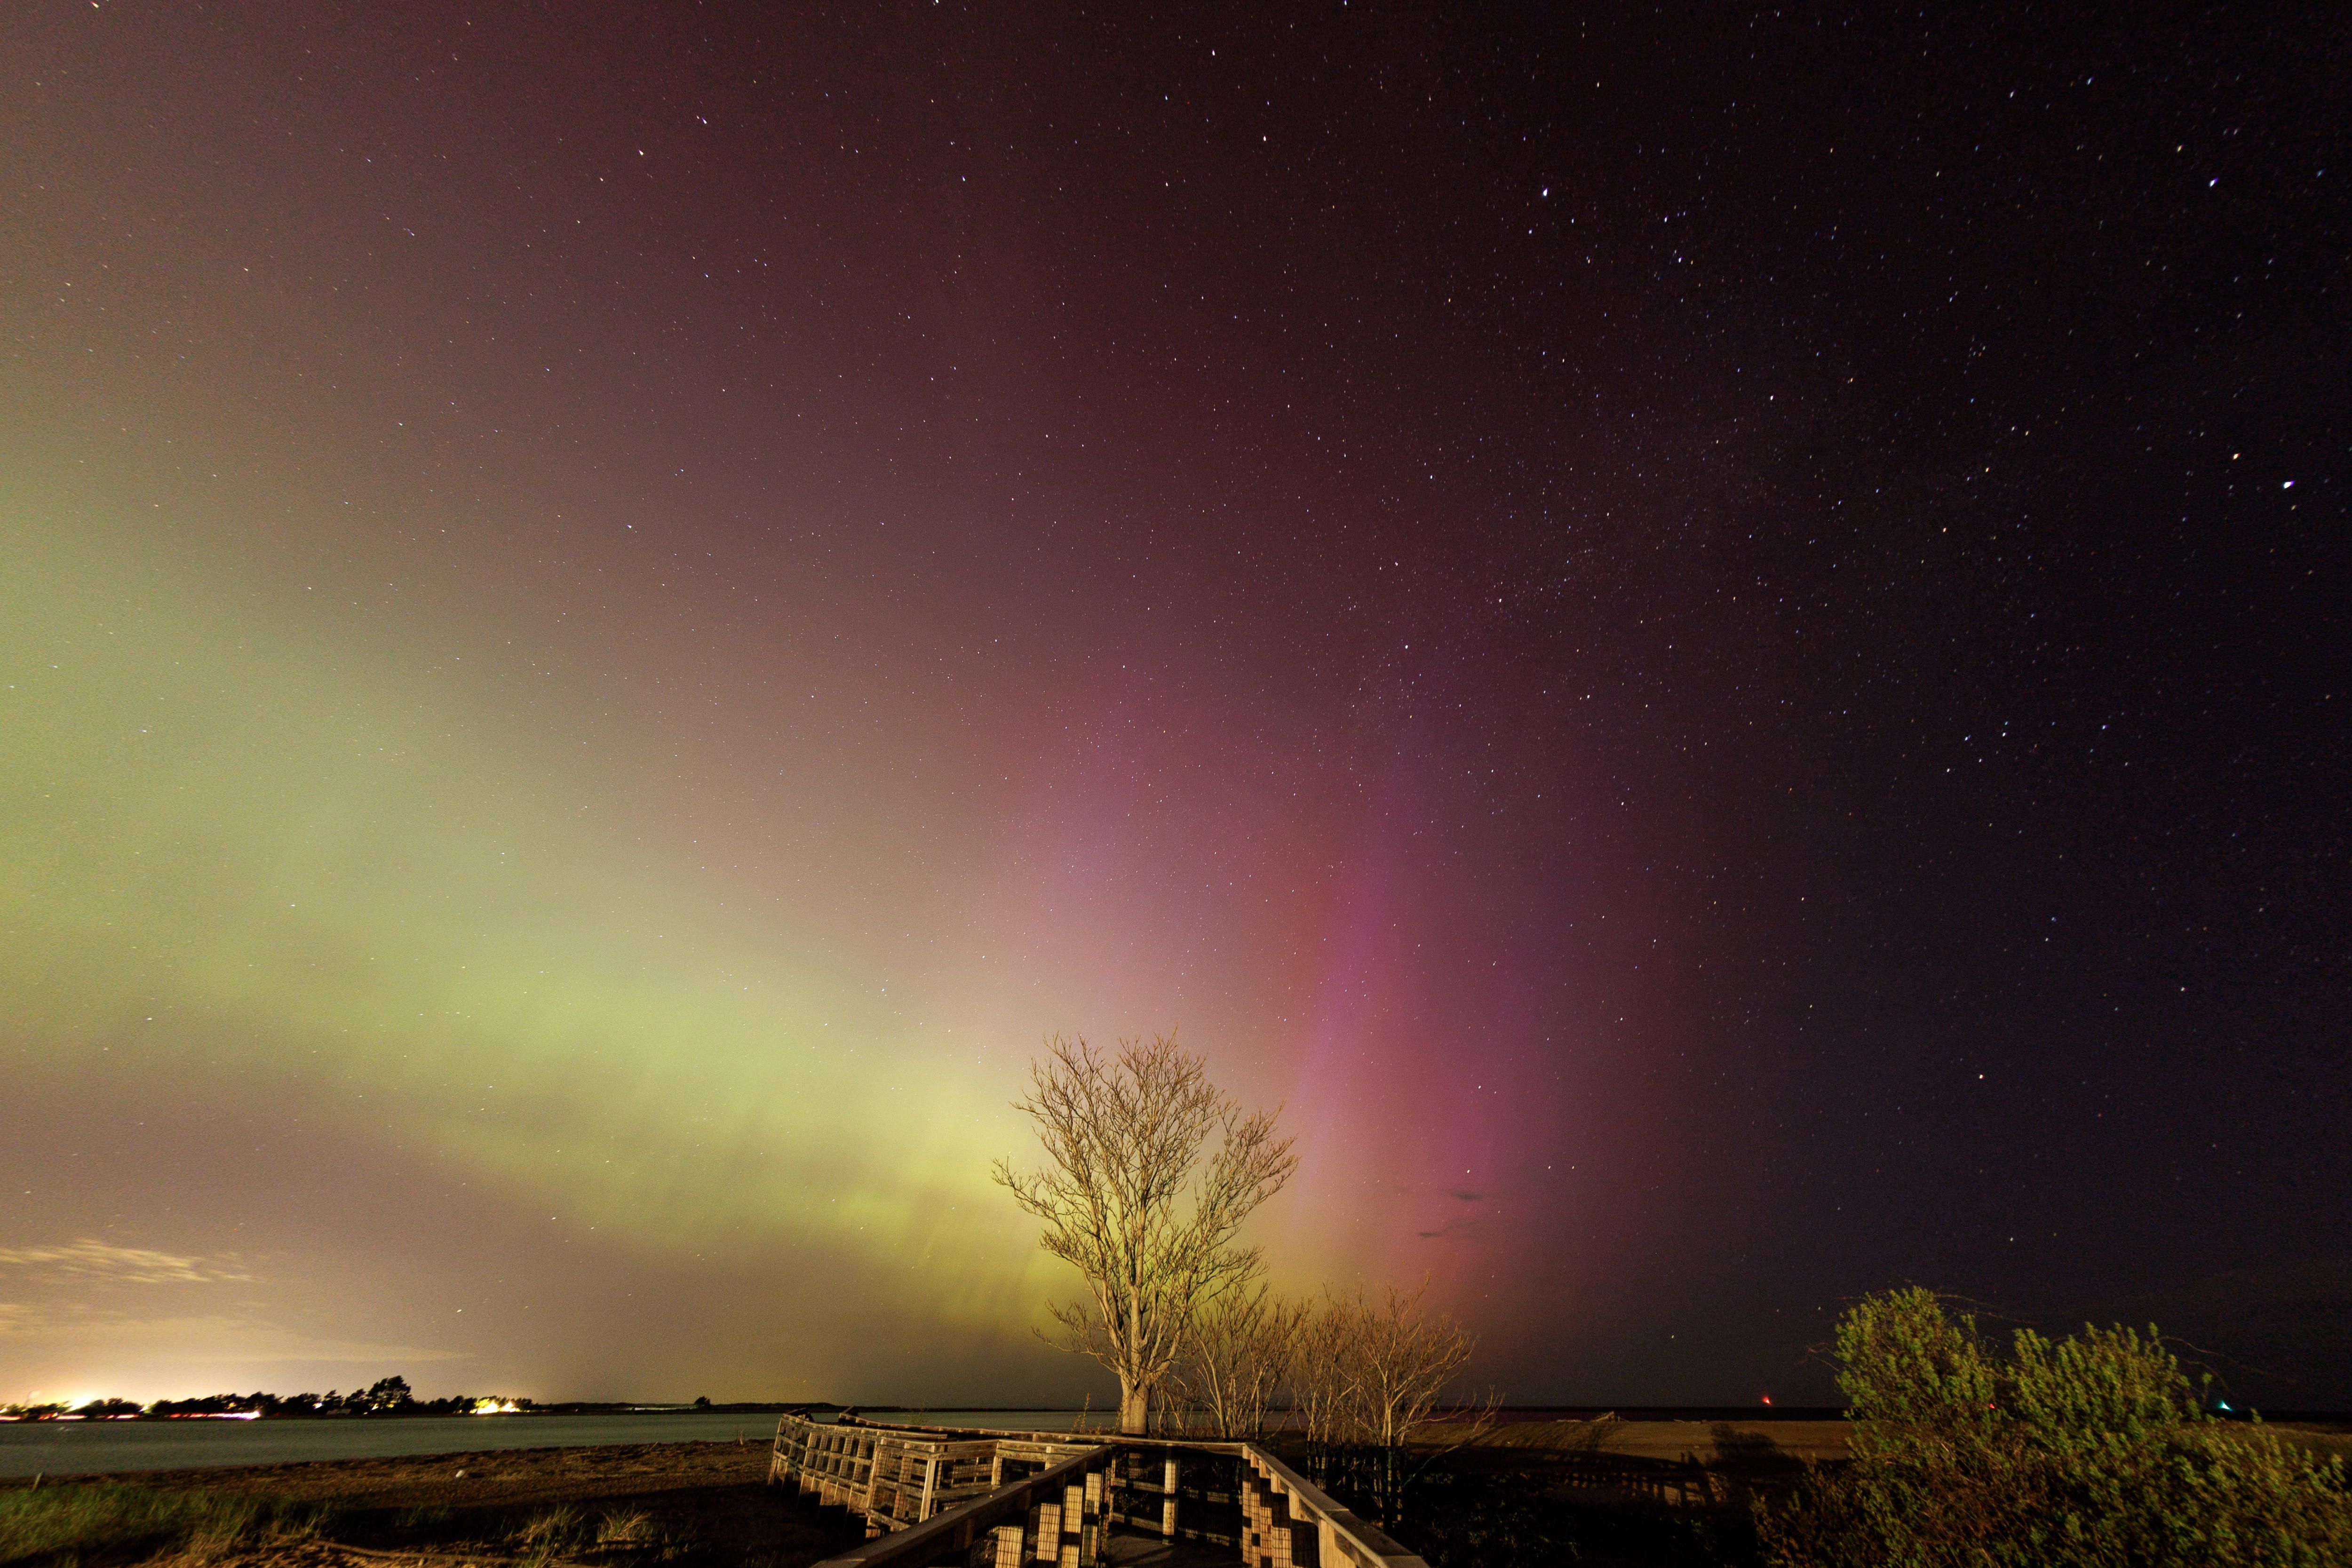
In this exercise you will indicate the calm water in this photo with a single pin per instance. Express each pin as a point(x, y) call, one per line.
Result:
point(87, 1448)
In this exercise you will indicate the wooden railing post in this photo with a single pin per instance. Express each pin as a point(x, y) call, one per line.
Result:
point(1168, 1474)
point(1073, 1525)
point(1090, 1547)
point(1047, 1548)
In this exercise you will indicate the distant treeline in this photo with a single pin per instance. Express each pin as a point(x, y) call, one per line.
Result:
point(385, 1397)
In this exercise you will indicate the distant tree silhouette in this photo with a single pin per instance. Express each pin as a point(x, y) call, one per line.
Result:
point(386, 1394)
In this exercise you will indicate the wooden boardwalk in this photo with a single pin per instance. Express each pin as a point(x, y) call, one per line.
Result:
point(978, 1498)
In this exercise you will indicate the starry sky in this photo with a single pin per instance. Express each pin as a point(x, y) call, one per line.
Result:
point(1712, 641)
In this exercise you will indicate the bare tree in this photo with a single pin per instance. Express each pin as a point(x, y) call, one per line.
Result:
point(1408, 1356)
point(1325, 1370)
point(1125, 1201)
point(1239, 1352)
point(1368, 1376)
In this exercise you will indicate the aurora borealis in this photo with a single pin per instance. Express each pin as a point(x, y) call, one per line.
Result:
point(1713, 644)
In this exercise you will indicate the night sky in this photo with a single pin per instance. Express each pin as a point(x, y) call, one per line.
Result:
point(1713, 642)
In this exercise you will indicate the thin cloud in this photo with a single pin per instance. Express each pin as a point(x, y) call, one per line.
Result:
point(214, 1340)
point(89, 1259)
point(1463, 1227)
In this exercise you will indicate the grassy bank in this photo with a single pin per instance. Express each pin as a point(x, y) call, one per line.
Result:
point(109, 1521)
point(112, 1523)
point(625, 1506)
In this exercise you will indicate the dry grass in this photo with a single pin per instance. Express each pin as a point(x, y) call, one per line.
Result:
point(635, 1528)
point(558, 1533)
point(62, 1524)
point(630, 1505)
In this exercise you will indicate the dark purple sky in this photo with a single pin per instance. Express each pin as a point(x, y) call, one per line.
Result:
point(1713, 640)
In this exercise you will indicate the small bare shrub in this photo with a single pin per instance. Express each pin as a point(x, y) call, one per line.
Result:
point(1325, 1370)
point(1368, 1373)
point(1366, 1377)
point(1238, 1354)
point(1408, 1356)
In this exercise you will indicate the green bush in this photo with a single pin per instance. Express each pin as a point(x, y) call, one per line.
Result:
point(2090, 1450)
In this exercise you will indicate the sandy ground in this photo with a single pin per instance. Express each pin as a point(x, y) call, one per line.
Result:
point(1711, 1442)
point(502, 1478)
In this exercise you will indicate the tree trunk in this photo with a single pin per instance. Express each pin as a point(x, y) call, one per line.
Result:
point(1134, 1408)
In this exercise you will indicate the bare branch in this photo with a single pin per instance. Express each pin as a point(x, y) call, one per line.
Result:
point(1124, 1200)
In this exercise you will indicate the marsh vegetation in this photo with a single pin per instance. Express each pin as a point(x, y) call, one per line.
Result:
point(619, 1507)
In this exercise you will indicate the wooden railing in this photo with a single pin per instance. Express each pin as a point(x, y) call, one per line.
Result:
point(1666, 1483)
point(925, 1503)
point(901, 1475)
point(1055, 1516)
point(1293, 1524)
